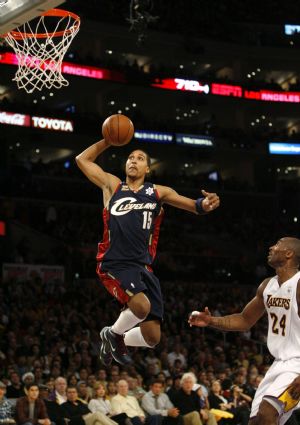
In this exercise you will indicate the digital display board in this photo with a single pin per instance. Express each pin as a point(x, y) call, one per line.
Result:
point(194, 140)
point(284, 148)
point(291, 29)
point(181, 84)
point(153, 136)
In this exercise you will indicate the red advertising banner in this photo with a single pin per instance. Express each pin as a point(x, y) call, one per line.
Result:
point(44, 123)
point(12, 118)
point(226, 90)
point(273, 96)
point(92, 72)
point(181, 84)
point(73, 69)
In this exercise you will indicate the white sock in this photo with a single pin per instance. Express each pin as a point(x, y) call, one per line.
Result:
point(125, 321)
point(134, 338)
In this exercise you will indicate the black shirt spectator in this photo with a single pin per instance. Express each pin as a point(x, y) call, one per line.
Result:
point(74, 411)
point(15, 389)
point(186, 403)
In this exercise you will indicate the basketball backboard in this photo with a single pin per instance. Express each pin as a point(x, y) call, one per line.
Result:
point(14, 13)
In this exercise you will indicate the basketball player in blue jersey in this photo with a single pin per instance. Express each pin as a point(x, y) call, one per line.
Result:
point(279, 392)
point(132, 215)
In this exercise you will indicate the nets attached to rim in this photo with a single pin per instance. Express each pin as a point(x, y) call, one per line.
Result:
point(40, 52)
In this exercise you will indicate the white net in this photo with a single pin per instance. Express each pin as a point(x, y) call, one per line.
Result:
point(40, 52)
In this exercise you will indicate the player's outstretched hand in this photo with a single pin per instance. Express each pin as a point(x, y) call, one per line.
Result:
point(200, 318)
point(210, 202)
point(294, 389)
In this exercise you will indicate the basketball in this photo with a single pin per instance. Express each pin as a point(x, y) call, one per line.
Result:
point(117, 130)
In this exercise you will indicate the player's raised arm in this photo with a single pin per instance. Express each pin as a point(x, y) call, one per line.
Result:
point(86, 162)
point(207, 203)
point(243, 321)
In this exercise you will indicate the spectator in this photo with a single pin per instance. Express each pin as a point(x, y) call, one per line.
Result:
point(203, 399)
point(176, 354)
point(83, 374)
point(177, 368)
point(176, 385)
point(30, 409)
point(72, 380)
point(6, 414)
point(59, 394)
point(83, 392)
point(28, 378)
point(217, 401)
point(15, 389)
point(102, 377)
point(78, 412)
point(115, 376)
point(124, 403)
point(50, 384)
point(155, 402)
point(188, 403)
point(53, 409)
point(241, 405)
point(168, 383)
point(151, 358)
point(90, 384)
point(253, 387)
point(38, 375)
point(134, 389)
point(100, 403)
point(111, 390)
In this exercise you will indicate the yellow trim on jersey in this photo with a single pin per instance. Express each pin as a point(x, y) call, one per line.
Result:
point(288, 400)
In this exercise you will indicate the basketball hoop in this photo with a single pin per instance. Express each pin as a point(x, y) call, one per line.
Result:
point(40, 52)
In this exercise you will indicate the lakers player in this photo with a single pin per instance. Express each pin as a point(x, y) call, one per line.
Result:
point(132, 215)
point(279, 392)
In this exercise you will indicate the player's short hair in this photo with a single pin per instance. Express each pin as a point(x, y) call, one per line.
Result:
point(148, 159)
point(294, 245)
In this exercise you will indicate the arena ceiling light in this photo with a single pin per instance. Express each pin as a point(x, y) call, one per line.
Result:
point(14, 13)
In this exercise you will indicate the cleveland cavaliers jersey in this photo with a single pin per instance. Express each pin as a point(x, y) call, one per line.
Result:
point(284, 322)
point(131, 225)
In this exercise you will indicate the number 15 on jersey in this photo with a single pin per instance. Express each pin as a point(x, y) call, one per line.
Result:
point(147, 220)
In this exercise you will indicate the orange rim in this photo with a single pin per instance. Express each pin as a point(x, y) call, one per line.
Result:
point(18, 35)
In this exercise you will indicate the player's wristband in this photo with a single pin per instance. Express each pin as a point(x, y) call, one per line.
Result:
point(199, 207)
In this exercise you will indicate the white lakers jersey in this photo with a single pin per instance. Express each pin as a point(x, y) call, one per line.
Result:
point(284, 322)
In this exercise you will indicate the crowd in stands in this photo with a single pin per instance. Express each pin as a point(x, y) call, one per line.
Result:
point(49, 349)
